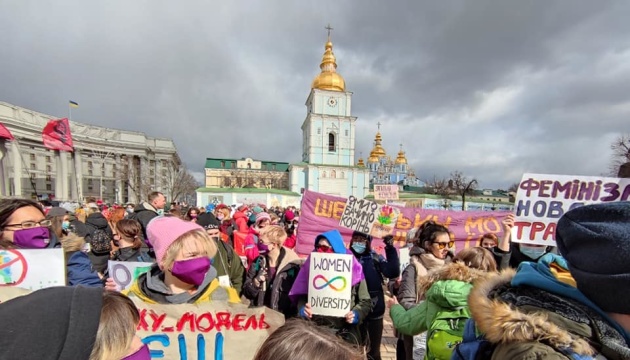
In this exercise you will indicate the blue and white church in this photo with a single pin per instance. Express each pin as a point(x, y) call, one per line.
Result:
point(328, 137)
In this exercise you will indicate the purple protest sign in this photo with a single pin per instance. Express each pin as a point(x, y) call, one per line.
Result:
point(320, 212)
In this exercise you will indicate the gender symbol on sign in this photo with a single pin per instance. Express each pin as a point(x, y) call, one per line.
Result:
point(8, 274)
point(329, 282)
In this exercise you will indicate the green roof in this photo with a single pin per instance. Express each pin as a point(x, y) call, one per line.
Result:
point(216, 163)
point(247, 191)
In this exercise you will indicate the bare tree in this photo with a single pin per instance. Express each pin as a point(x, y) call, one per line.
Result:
point(620, 161)
point(514, 187)
point(132, 178)
point(439, 186)
point(179, 182)
point(463, 186)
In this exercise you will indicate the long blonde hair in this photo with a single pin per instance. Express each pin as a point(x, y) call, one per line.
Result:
point(117, 327)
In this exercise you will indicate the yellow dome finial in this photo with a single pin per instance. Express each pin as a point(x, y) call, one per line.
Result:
point(401, 158)
point(329, 79)
point(378, 151)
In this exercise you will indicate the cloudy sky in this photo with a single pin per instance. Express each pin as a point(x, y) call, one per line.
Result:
point(490, 88)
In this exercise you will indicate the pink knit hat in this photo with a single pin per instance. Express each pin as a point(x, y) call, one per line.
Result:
point(262, 216)
point(164, 230)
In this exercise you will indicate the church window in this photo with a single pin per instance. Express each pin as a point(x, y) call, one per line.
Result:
point(331, 142)
point(319, 131)
point(333, 174)
point(249, 165)
point(222, 164)
point(342, 175)
point(323, 174)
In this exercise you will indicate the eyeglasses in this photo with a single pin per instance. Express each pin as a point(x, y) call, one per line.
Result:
point(324, 247)
point(442, 245)
point(31, 224)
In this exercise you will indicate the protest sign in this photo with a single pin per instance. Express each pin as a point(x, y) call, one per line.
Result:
point(542, 199)
point(215, 330)
point(330, 284)
point(369, 217)
point(125, 273)
point(32, 269)
point(403, 256)
point(320, 212)
point(386, 192)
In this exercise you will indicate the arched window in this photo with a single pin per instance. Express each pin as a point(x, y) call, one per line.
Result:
point(331, 141)
point(333, 174)
point(323, 174)
point(342, 175)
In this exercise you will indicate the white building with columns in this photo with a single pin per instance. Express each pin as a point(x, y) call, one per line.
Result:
point(117, 166)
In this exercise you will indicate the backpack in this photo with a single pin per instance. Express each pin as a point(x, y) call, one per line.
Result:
point(100, 242)
point(472, 347)
point(446, 332)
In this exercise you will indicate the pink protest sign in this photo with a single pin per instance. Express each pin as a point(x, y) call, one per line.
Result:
point(320, 212)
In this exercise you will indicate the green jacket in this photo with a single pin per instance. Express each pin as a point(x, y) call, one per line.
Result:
point(448, 289)
point(227, 262)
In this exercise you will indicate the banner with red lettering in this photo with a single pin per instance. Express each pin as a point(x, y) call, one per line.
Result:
point(321, 212)
point(542, 199)
point(56, 135)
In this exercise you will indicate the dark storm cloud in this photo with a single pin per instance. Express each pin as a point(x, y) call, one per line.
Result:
point(492, 88)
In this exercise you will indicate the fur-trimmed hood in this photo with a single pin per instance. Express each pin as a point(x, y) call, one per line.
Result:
point(518, 315)
point(451, 271)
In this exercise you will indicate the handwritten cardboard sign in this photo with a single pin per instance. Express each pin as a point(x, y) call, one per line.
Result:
point(330, 284)
point(215, 330)
point(369, 217)
point(32, 269)
point(386, 192)
point(541, 201)
point(125, 273)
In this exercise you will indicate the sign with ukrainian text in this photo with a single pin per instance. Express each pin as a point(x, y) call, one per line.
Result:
point(369, 217)
point(330, 284)
point(386, 192)
point(321, 212)
point(541, 200)
point(32, 269)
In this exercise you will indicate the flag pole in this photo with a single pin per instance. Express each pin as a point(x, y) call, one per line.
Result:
point(74, 160)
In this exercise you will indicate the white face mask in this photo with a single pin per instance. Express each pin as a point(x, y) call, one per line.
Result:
point(533, 253)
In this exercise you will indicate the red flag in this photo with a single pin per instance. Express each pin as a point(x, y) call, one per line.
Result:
point(5, 133)
point(57, 135)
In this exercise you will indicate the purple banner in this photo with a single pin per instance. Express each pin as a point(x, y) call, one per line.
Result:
point(320, 213)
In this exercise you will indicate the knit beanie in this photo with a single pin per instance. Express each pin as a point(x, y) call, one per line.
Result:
point(595, 241)
point(257, 210)
point(53, 323)
point(289, 216)
point(208, 221)
point(262, 216)
point(164, 230)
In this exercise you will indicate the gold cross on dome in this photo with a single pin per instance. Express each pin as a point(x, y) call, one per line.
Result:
point(329, 28)
point(379, 125)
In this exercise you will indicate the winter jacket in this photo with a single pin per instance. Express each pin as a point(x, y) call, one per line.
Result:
point(151, 289)
point(290, 242)
point(78, 264)
point(276, 295)
point(95, 222)
point(420, 263)
point(130, 254)
point(533, 312)
point(446, 289)
point(360, 300)
point(144, 213)
point(375, 268)
point(502, 258)
point(251, 245)
point(228, 263)
point(241, 221)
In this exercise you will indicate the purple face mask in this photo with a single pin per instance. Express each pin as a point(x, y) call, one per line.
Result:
point(33, 238)
point(142, 354)
point(191, 271)
point(263, 248)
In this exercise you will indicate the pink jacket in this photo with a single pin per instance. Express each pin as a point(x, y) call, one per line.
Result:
point(251, 245)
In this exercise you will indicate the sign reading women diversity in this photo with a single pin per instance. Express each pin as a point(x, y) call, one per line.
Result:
point(369, 217)
point(32, 269)
point(125, 273)
point(321, 212)
point(542, 199)
point(330, 284)
point(209, 331)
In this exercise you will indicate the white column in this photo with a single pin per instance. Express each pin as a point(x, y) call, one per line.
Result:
point(64, 175)
point(17, 169)
point(58, 176)
point(118, 181)
point(78, 175)
point(4, 190)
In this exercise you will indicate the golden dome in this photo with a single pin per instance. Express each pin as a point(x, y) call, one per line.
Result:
point(401, 158)
point(360, 163)
point(329, 79)
point(378, 150)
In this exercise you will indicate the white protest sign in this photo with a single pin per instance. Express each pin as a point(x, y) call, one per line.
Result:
point(32, 269)
point(386, 192)
point(403, 256)
point(330, 284)
point(369, 217)
point(125, 273)
point(541, 201)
